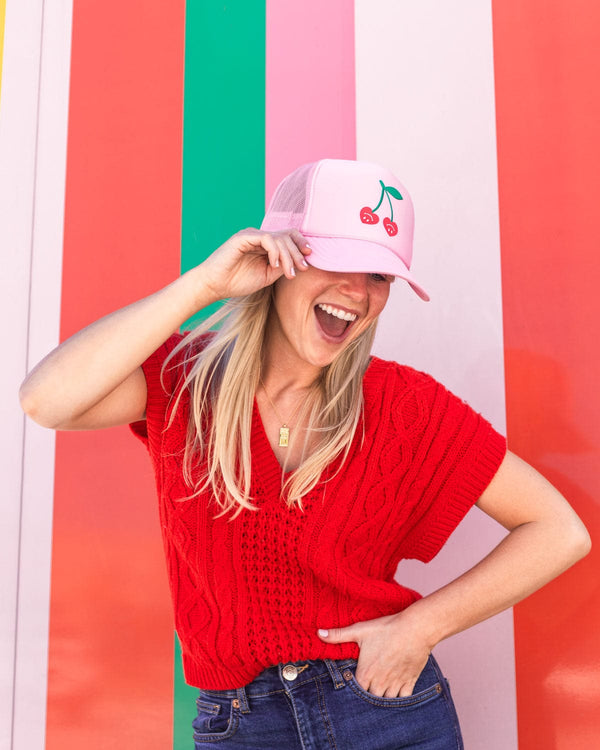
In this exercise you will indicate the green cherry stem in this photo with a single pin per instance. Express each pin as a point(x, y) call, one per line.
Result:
point(381, 196)
point(391, 207)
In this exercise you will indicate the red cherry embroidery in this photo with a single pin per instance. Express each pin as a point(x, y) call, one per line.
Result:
point(390, 227)
point(367, 216)
point(370, 215)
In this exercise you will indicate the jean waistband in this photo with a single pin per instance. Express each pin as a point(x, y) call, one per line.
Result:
point(287, 676)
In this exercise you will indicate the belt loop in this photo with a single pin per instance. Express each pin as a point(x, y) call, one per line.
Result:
point(336, 675)
point(242, 700)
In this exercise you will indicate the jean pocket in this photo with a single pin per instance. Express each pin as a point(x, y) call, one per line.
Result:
point(427, 688)
point(216, 718)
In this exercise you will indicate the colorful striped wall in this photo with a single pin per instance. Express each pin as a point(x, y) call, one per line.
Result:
point(134, 138)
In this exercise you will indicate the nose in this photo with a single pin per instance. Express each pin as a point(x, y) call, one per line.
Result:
point(354, 285)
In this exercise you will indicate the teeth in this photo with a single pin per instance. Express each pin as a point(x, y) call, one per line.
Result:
point(338, 313)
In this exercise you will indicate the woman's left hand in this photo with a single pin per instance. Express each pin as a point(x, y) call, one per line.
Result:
point(392, 653)
point(546, 537)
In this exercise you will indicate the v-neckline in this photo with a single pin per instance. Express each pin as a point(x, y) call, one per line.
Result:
point(272, 469)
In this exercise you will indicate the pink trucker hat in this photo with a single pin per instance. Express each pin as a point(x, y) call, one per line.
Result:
point(356, 216)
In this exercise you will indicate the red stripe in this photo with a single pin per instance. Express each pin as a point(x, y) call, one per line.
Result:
point(111, 633)
point(548, 108)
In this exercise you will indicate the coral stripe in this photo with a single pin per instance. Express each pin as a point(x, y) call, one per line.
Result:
point(548, 106)
point(110, 656)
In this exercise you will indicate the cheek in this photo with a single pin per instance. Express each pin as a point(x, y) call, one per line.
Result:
point(287, 308)
point(379, 300)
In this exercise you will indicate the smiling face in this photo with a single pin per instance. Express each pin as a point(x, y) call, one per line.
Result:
point(317, 314)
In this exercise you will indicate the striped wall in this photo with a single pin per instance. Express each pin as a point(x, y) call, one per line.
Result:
point(110, 653)
point(437, 129)
point(549, 175)
point(134, 138)
point(33, 102)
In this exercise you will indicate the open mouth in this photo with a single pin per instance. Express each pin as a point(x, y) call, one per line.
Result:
point(334, 322)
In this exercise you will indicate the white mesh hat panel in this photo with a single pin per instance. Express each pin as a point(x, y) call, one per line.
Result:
point(288, 204)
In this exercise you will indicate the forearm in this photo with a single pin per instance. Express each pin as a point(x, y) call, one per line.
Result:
point(527, 558)
point(93, 362)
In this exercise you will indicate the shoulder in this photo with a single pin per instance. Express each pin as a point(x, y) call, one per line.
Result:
point(166, 367)
point(400, 397)
point(416, 398)
point(390, 375)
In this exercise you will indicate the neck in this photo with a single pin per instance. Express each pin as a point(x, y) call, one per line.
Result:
point(282, 372)
point(278, 379)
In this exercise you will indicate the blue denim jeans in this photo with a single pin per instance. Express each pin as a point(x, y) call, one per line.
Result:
point(317, 705)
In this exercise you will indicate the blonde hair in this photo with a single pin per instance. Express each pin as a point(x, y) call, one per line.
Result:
point(222, 373)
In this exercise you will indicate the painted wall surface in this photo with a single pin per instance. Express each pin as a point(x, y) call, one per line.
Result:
point(120, 170)
point(31, 197)
point(549, 176)
point(110, 654)
point(437, 131)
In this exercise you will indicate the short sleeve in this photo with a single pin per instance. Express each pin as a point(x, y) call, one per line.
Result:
point(456, 453)
point(161, 384)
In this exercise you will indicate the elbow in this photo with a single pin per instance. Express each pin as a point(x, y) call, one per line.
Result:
point(30, 405)
point(27, 400)
point(585, 545)
point(578, 541)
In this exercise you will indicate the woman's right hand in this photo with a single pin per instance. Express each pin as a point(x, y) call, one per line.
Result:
point(252, 259)
point(94, 379)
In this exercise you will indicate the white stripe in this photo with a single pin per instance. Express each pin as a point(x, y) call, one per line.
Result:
point(425, 108)
point(33, 128)
point(18, 122)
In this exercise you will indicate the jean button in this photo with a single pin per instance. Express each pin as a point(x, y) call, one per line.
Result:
point(289, 672)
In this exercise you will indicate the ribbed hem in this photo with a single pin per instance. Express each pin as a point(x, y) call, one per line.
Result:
point(209, 677)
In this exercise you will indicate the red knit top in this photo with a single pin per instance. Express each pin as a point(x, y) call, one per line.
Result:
point(251, 592)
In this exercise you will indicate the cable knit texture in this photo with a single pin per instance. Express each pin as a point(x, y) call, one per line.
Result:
point(251, 593)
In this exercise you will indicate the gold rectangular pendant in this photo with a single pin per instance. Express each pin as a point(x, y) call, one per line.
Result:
point(284, 437)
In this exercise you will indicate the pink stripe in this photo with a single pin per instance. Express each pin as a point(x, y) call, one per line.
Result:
point(310, 85)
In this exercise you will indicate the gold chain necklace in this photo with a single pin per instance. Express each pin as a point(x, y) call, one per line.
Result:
point(284, 430)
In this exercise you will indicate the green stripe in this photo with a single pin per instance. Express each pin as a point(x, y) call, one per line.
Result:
point(223, 164)
point(223, 124)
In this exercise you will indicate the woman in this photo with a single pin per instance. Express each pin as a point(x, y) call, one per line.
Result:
point(294, 472)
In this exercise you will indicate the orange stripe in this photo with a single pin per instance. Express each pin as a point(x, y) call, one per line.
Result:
point(111, 633)
point(548, 109)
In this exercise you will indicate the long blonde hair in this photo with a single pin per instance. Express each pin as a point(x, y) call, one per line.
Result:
point(222, 373)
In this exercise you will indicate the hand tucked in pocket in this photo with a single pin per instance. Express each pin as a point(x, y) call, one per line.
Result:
point(392, 653)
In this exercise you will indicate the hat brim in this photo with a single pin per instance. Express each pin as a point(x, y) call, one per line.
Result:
point(358, 256)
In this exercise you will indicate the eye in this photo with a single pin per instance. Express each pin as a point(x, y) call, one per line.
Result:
point(381, 277)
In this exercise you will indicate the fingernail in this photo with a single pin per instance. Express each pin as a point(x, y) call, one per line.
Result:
point(293, 271)
point(276, 264)
point(305, 264)
point(308, 246)
point(323, 633)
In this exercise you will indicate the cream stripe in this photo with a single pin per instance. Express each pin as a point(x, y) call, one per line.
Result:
point(425, 107)
point(33, 123)
point(18, 122)
point(2, 14)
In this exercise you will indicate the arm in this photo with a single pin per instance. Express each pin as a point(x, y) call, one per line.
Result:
point(546, 537)
point(94, 379)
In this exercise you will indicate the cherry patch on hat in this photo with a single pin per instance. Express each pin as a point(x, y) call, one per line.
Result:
point(370, 215)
